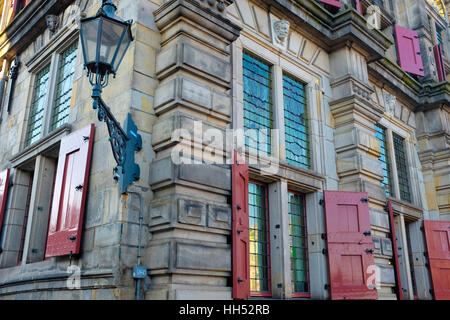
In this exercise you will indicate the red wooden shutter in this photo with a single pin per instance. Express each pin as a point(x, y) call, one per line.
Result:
point(408, 50)
point(69, 196)
point(334, 3)
point(350, 247)
point(240, 228)
point(440, 67)
point(437, 235)
point(394, 247)
point(4, 181)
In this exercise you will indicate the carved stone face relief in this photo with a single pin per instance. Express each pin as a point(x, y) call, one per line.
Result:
point(52, 22)
point(280, 33)
point(389, 101)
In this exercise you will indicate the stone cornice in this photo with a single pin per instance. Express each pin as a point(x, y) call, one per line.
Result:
point(28, 23)
point(200, 12)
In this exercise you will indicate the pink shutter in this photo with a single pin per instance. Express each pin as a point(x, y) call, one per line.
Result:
point(240, 228)
point(437, 236)
point(334, 3)
point(4, 181)
point(69, 198)
point(440, 63)
point(350, 246)
point(408, 50)
point(359, 7)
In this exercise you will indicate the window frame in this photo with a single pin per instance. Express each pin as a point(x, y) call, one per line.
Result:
point(307, 120)
point(308, 277)
point(269, 267)
point(48, 56)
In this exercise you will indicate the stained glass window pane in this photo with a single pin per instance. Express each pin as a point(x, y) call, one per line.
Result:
point(257, 104)
point(298, 243)
point(296, 123)
point(37, 107)
point(259, 242)
point(384, 159)
point(402, 169)
point(64, 87)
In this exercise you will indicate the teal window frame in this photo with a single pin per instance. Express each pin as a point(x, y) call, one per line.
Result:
point(259, 239)
point(384, 159)
point(402, 168)
point(38, 106)
point(296, 123)
point(63, 94)
point(298, 241)
point(258, 103)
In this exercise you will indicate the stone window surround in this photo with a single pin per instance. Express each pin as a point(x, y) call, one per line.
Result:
point(392, 126)
point(290, 177)
point(49, 54)
point(43, 156)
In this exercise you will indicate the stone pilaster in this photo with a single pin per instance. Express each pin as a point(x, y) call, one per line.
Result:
point(433, 132)
point(189, 254)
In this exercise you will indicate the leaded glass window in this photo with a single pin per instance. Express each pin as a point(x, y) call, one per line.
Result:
point(296, 123)
point(259, 239)
point(298, 243)
point(402, 169)
point(384, 159)
point(257, 104)
point(36, 117)
point(64, 86)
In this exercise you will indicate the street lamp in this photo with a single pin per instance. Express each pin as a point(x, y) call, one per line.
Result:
point(105, 38)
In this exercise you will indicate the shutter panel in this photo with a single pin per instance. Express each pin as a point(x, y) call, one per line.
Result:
point(394, 247)
point(240, 228)
point(72, 175)
point(359, 7)
point(350, 251)
point(4, 181)
point(408, 50)
point(334, 3)
point(440, 67)
point(437, 236)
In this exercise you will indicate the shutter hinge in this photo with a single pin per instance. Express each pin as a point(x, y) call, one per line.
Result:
point(323, 236)
point(421, 69)
point(277, 226)
point(280, 285)
point(239, 280)
point(369, 251)
point(85, 138)
point(326, 286)
point(364, 200)
point(321, 202)
point(367, 233)
point(422, 228)
point(425, 254)
point(324, 251)
point(427, 265)
point(79, 187)
point(431, 292)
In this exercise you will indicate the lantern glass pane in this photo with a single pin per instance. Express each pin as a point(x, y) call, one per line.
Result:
point(122, 50)
point(89, 30)
point(111, 35)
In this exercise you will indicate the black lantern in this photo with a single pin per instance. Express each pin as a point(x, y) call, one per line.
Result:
point(105, 39)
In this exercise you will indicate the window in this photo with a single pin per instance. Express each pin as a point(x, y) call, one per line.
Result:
point(439, 35)
point(295, 122)
point(259, 240)
point(384, 158)
point(257, 104)
point(38, 105)
point(64, 86)
point(52, 103)
point(402, 169)
point(298, 245)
